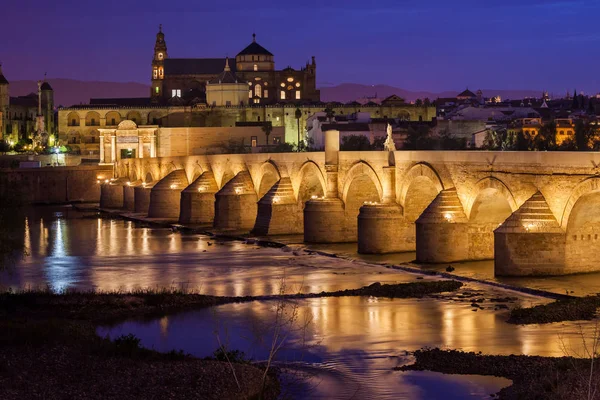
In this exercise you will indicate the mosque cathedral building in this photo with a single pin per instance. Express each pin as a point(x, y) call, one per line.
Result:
point(197, 103)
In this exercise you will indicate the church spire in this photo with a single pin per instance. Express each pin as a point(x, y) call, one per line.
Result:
point(227, 64)
point(254, 38)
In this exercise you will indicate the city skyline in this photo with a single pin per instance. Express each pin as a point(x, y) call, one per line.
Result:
point(437, 47)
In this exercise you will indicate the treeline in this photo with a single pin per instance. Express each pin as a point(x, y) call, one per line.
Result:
point(585, 138)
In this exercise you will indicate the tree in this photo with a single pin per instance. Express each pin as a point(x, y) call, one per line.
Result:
point(298, 115)
point(267, 128)
point(546, 138)
point(522, 141)
point(418, 102)
point(583, 135)
point(427, 102)
point(418, 138)
point(329, 113)
point(4, 146)
point(355, 143)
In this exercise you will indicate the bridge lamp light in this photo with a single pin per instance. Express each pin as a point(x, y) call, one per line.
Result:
point(314, 197)
point(448, 217)
point(100, 177)
point(128, 183)
point(106, 181)
point(276, 199)
point(98, 181)
point(173, 186)
point(238, 190)
point(144, 184)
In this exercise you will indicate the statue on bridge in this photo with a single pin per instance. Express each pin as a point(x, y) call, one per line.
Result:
point(389, 144)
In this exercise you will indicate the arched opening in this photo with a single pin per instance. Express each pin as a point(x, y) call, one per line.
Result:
point(311, 184)
point(489, 210)
point(361, 189)
point(582, 252)
point(135, 117)
point(92, 118)
point(421, 192)
point(113, 118)
point(148, 178)
point(270, 177)
point(73, 119)
point(154, 118)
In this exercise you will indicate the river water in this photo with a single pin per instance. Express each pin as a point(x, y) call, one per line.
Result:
point(340, 348)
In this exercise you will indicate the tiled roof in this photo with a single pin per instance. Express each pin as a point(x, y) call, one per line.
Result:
point(195, 66)
point(254, 49)
point(123, 101)
point(467, 93)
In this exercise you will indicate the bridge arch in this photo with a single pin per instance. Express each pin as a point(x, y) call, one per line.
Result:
point(363, 171)
point(268, 175)
point(490, 190)
point(310, 182)
point(585, 187)
point(420, 185)
point(581, 222)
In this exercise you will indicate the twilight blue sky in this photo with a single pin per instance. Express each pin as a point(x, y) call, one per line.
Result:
point(417, 45)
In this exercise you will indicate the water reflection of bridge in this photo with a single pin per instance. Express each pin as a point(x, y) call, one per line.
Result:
point(534, 212)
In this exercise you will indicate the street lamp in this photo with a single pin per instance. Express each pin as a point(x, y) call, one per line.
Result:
point(56, 154)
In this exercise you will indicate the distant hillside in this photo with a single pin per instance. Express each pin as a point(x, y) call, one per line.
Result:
point(347, 92)
point(68, 92)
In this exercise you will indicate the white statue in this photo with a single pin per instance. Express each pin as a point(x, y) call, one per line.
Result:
point(389, 144)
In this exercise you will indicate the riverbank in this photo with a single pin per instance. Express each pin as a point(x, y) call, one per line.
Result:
point(43, 331)
point(551, 378)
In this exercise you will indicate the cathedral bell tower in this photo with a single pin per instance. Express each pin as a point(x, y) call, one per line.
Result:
point(4, 103)
point(158, 66)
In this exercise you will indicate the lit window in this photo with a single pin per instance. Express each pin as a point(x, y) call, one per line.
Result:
point(290, 79)
point(297, 95)
point(249, 83)
point(157, 89)
point(255, 67)
point(282, 84)
point(176, 93)
point(160, 56)
point(258, 90)
point(297, 84)
point(250, 93)
point(160, 72)
point(257, 101)
point(254, 140)
point(283, 95)
point(266, 93)
point(155, 74)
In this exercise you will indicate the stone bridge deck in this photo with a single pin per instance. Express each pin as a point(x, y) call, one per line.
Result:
point(533, 212)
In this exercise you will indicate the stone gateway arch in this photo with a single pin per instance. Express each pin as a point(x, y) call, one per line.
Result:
point(534, 213)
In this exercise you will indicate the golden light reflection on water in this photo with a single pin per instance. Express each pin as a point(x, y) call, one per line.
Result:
point(395, 326)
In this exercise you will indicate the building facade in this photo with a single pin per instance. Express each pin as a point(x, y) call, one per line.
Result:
point(19, 113)
point(183, 81)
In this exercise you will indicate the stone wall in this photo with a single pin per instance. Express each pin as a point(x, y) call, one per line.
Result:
point(54, 185)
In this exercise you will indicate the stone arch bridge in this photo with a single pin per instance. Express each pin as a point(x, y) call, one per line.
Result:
point(535, 213)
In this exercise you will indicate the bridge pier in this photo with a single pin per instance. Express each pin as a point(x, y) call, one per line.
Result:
point(324, 221)
point(142, 197)
point(443, 230)
point(129, 195)
point(111, 194)
point(197, 204)
point(530, 242)
point(165, 196)
point(236, 204)
point(383, 229)
point(278, 211)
